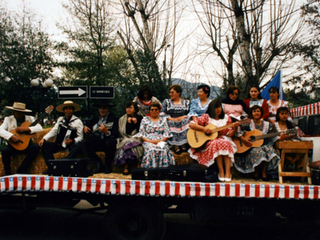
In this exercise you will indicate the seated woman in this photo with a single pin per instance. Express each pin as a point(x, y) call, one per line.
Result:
point(144, 100)
point(175, 110)
point(221, 148)
point(254, 98)
point(274, 103)
point(129, 148)
point(233, 106)
point(155, 132)
point(257, 159)
point(282, 125)
point(199, 106)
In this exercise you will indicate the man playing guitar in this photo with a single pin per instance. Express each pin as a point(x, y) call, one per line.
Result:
point(15, 122)
point(104, 132)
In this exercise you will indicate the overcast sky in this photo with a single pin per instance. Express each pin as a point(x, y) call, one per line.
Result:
point(51, 11)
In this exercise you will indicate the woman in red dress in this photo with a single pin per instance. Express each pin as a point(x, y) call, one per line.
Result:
point(222, 148)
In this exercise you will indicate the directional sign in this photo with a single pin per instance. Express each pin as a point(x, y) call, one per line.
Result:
point(101, 92)
point(73, 92)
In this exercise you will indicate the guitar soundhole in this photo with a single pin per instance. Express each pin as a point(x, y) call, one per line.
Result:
point(252, 138)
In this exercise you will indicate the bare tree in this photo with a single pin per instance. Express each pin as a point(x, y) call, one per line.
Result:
point(252, 38)
point(149, 32)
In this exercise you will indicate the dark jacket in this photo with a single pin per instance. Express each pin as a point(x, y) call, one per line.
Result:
point(111, 119)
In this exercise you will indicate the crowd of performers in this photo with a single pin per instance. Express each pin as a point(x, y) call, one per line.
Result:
point(150, 132)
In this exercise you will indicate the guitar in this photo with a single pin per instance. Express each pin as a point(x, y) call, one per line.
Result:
point(23, 143)
point(197, 138)
point(256, 138)
point(95, 133)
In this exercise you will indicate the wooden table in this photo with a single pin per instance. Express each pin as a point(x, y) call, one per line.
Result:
point(294, 147)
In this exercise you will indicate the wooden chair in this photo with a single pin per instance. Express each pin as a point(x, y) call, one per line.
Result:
point(294, 147)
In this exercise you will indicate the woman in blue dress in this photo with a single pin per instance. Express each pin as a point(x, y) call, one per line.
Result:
point(176, 110)
point(155, 132)
point(257, 159)
point(200, 105)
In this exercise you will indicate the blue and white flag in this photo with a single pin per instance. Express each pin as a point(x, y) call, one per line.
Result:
point(275, 82)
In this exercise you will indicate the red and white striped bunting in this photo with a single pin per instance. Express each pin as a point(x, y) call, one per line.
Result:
point(23, 183)
point(311, 109)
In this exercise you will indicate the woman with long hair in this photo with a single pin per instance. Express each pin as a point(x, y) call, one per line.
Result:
point(220, 149)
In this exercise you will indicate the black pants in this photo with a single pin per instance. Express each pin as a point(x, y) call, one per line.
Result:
point(8, 151)
point(108, 146)
point(49, 148)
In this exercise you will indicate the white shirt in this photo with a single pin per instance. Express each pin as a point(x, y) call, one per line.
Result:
point(10, 123)
point(75, 122)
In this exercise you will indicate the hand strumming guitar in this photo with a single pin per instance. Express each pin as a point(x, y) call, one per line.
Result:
point(104, 129)
point(14, 139)
point(246, 141)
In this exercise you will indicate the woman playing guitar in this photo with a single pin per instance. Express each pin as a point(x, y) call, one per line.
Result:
point(256, 159)
point(221, 148)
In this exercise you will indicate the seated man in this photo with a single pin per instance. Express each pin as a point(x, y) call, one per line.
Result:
point(101, 139)
point(68, 131)
point(20, 124)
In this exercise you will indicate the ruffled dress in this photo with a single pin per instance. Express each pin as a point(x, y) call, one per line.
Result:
point(222, 145)
point(260, 102)
point(247, 161)
point(177, 129)
point(273, 109)
point(196, 108)
point(155, 155)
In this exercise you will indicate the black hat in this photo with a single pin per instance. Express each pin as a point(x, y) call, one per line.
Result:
point(104, 102)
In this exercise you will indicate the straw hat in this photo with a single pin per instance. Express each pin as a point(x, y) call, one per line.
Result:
point(18, 106)
point(68, 103)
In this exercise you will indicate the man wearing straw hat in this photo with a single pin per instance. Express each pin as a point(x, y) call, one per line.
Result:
point(14, 122)
point(72, 136)
point(103, 130)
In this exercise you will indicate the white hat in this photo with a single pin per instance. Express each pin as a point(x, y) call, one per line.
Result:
point(68, 103)
point(18, 106)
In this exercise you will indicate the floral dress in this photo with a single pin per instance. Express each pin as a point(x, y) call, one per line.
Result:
point(247, 161)
point(222, 145)
point(196, 108)
point(155, 155)
point(178, 129)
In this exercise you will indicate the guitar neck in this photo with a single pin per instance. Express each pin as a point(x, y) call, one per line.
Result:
point(268, 135)
point(38, 119)
point(222, 128)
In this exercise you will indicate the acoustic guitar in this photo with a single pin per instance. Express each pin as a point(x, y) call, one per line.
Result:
point(198, 138)
point(23, 143)
point(257, 138)
point(96, 132)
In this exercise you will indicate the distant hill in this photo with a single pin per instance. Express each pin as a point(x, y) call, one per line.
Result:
point(189, 90)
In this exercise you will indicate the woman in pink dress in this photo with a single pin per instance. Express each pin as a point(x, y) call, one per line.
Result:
point(233, 106)
point(222, 148)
